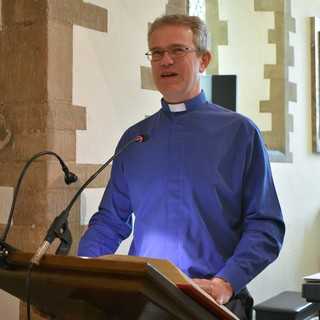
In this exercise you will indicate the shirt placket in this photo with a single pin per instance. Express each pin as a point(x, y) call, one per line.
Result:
point(175, 180)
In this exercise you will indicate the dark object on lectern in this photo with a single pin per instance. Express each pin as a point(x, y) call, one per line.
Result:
point(221, 90)
point(311, 291)
point(112, 287)
point(288, 305)
point(5, 250)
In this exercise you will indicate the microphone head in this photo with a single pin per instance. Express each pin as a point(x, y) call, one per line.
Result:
point(70, 177)
point(141, 138)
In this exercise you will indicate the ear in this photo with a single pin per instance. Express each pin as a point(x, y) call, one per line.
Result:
point(205, 60)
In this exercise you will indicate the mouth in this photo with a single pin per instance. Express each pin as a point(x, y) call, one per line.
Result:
point(168, 75)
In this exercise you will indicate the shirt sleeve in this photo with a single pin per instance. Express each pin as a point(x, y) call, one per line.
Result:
point(263, 226)
point(113, 221)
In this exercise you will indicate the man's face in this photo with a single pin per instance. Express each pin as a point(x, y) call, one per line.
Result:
point(177, 79)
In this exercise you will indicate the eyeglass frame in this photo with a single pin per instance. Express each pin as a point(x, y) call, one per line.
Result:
point(169, 49)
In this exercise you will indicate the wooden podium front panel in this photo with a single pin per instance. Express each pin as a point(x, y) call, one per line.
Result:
point(74, 288)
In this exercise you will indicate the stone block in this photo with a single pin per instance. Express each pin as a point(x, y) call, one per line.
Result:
point(265, 106)
point(290, 56)
point(223, 33)
point(269, 5)
point(35, 117)
point(66, 117)
point(272, 36)
point(63, 11)
point(290, 124)
point(91, 16)
point(178, 3)
point(75, 118)
point(23, 11)
point(41, 207)
point(26, 117)
point(6, 195)
point(175, 9)
point(292, 91)
point(62, 142)
point(291, 24)
point(274, 142)
point(1, 66)
point(60, 56)
point(279, 119)
point(55, 176)
point(277, 93)
point(80, 13)
point(39, 175)
point(24, 146)
point(25, 63)
point(1, 15)
point(28, 238)
point(10, 171)
point(218, 34)
point(45, 173)
point(146, 78)
point(280, 23)
point(272, 71)
point(84, 171)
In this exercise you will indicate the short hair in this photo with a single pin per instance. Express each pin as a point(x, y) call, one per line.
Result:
point(197, 26)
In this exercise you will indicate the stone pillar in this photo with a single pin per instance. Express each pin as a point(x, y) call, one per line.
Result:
point(36, 51)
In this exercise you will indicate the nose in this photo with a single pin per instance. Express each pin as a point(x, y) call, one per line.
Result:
point(166, 59)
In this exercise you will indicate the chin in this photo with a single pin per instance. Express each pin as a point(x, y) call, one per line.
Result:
point(171, 95)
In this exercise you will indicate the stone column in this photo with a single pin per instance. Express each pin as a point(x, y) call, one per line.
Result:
point(36, 51)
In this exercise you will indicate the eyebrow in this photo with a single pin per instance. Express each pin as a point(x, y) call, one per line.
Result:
point(171, 45)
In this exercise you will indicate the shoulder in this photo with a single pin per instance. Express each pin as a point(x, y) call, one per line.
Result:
point(142, 127)
point(232, 120)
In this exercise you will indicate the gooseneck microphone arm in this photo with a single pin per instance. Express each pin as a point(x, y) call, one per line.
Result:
point(69, 178)
point(59, 227)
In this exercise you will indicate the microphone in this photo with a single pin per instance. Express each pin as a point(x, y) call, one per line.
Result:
point(70, 177)
point(59, 227)
point(142, 138)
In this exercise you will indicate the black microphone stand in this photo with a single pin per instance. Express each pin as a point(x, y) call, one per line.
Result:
point(59, 227)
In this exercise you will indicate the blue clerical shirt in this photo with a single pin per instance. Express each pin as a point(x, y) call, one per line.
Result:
point(201, 191)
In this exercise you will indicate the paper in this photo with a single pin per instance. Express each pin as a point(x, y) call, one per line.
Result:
point(313, 277)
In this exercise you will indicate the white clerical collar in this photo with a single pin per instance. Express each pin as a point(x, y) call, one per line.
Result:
point(177, 107)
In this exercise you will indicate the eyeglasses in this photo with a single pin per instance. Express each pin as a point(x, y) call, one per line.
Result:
point(175, 52)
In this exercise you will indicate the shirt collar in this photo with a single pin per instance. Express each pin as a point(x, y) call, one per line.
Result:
point(186, 105)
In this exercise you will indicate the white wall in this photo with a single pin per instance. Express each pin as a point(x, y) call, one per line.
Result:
point(297, 183)
point(107, 82)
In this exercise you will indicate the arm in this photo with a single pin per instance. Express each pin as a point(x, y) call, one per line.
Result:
point(113, 221)
point(262, 227)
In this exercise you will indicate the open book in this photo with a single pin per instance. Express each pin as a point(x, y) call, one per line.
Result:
point(181, 281)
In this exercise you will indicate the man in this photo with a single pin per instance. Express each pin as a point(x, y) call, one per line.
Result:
point(200, 188)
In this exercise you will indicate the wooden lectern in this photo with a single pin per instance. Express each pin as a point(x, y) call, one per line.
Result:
point(109, 288)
